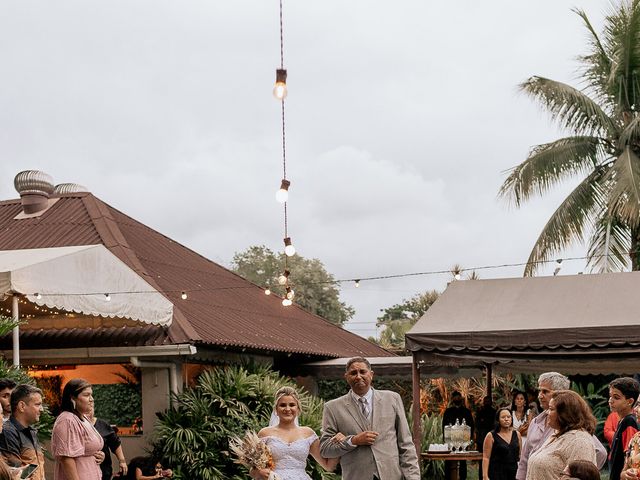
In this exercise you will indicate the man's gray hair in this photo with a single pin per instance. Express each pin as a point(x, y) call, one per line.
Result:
point(556, 380)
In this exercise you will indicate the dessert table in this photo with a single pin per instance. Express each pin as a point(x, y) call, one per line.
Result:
point(452, 460)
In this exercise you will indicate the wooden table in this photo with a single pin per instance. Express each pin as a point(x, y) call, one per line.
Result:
point(452, 460)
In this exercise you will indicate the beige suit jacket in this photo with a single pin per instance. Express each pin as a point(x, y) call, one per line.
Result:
point(391, 457)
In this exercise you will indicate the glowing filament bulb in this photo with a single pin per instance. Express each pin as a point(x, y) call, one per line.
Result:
point(280, 88)
point(282, 195)
point(289, 249)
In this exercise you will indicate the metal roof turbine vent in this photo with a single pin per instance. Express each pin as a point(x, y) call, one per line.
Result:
point(34, 188)
point(63, 188)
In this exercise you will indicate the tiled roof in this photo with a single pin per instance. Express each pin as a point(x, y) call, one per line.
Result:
point(222, 309)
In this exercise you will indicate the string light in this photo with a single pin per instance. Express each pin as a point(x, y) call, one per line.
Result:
point(286, 302)
point(284, 278)
point(290, 293)
point(358, 283)
point(38, 296)
point(267, 291)
point(280, 88)
point(289, 249)
point(282, 195)
point(183, 295)
point(107, 297)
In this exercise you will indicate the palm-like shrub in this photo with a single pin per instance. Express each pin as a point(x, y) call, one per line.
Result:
point(602, 149)
point(193, 436)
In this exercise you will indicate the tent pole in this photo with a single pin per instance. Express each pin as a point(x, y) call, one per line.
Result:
point(488, 369)
point(15, 313)
point(415, 413)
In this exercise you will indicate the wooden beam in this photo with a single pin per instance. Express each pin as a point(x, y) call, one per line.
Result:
point(415, 412)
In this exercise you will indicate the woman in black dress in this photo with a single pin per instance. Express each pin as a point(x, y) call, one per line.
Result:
point(501, 449)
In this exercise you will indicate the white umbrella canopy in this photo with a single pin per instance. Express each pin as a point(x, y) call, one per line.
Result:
point(78, 279)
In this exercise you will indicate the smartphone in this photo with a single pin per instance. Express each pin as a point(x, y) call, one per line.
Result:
point(28, 470)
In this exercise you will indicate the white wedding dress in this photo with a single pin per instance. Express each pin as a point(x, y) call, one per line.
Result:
point(290, 458)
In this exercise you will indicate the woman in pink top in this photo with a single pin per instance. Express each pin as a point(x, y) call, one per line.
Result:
point(75, 442)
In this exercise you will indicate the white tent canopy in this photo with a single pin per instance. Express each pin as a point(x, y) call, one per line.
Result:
point(77, 279)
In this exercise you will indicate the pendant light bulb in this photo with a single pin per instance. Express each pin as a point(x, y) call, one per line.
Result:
point(267, 291)
point(290, 293)
point(457, 276)
point(280, 88)
point(289, 249)
point(286, 302)
point(282, 195)
point(282, 279)
point(357, 283)
point(38, 296)
point(183, 295)
point(107, 297)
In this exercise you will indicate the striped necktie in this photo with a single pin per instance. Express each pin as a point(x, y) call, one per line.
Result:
point(364, 405)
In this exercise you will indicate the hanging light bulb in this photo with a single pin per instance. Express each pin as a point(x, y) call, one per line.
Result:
point(286, 302)
point(183, 295)
point(457, 276)
point(289, 249)
point(290, 293)
point(267, 291)
point(38, 296)
point(107, 297)
point(282, 195)
point(357, 283)
point(282, 279)
point(280, 88)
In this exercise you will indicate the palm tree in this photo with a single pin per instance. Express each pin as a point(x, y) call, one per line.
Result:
point(603, 150)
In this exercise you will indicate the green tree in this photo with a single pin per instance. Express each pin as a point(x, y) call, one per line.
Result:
point(398, 319)
point(601, 150)
point(315, 289)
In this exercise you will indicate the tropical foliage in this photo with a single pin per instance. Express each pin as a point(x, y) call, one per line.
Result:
point(193, 436)
point(602, 150)
point(315, 289)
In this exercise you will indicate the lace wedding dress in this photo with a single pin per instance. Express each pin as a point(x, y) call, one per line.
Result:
point(290, 458)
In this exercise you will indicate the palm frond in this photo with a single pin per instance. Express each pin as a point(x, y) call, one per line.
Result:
point(624, 198)
point(631, 133)
point(569, 222)
point(622, 30)
point(609, 245)
point(597, 64)
point(570, 107)
point(550, 163)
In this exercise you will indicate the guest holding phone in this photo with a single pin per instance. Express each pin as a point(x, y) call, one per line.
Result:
point(75, 443)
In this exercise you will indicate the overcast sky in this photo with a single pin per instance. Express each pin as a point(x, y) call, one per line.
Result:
point(401, 119)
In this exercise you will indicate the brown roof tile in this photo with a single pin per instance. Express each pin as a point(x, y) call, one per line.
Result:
point(222, 308)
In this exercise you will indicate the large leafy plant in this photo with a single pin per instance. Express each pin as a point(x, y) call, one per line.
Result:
point(193, 436)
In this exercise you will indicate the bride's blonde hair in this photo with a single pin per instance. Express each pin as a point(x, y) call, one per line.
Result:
point(286, 392)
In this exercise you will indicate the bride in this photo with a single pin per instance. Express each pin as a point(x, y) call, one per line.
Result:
point(291, 444)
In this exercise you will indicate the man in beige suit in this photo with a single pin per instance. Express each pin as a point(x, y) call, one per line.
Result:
point(378, 442)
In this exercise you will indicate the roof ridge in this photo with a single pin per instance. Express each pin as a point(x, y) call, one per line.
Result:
point(113, 238)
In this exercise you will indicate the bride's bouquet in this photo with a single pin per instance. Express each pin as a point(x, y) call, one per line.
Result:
point(252, 452)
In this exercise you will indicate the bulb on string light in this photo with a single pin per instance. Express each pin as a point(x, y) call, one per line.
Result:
point(282, 195)
point(267, 291)
point(286, 302)
point(457, 276)
point(38, 296)
point(183, 295)
point(290, 293)
point(107, 297)
point(282, 279)
point(357, 283)
point(289, 249)
point(280, 88)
